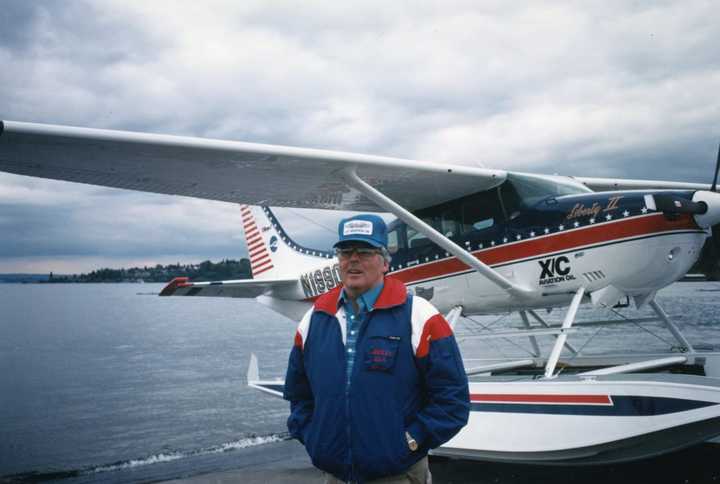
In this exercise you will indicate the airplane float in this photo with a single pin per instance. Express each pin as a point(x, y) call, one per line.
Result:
point(472, 241)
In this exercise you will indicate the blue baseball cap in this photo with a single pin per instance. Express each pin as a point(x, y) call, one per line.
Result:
point(367, 228)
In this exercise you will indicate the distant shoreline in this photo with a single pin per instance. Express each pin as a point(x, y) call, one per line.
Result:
point(204, 271)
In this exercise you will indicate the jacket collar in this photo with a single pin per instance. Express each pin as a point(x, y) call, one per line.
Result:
point(393, 294)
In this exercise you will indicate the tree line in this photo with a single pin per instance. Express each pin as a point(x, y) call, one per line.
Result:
point(204, 271)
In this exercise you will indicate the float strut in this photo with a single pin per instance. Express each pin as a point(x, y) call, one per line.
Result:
point(671, 326)
point(560, 341)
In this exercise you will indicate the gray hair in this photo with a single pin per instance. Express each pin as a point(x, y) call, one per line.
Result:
point(386, 255)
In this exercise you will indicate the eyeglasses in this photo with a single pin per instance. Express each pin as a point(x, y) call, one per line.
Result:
point(362, 252)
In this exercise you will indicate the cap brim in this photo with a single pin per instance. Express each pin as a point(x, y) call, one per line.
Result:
point(371, 243)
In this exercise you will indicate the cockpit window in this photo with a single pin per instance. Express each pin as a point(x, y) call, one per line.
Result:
point(482, 211)
point(529, 190)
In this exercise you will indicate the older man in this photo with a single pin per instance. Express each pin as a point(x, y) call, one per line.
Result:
point(375, 378)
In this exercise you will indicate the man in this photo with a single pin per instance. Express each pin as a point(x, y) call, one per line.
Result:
point(375, 378)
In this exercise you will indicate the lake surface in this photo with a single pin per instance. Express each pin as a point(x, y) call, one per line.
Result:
point(110, 383)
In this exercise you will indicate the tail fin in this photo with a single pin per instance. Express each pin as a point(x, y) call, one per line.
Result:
point(273, 254)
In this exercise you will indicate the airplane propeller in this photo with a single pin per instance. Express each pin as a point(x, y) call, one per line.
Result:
point(710, 253)
point(704, 206)
point(713, 188)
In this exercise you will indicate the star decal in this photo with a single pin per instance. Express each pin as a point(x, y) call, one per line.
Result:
point(562, 227)
point(576, 224)
point(626, 213)
point(644, 210)
point(532, 234)
point(608, 217)
point(504, 240)
point(592, 220)
point(492, 243)
point(517, 237)
point(547, 231)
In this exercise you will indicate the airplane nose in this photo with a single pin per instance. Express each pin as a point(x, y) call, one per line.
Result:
point(711, 200)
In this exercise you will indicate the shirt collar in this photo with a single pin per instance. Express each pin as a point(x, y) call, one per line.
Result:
point(366, 301)
point(393, 294)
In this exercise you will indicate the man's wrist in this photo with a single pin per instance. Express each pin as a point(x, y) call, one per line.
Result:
point(412, 443)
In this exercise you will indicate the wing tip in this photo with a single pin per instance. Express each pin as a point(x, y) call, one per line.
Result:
point(173, 285)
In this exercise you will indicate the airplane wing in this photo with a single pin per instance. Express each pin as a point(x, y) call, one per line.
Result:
point(610, 184)
point(253, 174)
point(246, 288)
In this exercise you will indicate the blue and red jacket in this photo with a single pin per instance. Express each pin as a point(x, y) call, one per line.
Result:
point(408, 376)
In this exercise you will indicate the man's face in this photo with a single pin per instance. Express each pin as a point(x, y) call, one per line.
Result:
point(361, 270)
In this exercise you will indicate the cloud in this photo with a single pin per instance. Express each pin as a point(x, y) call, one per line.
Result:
point(606, 89)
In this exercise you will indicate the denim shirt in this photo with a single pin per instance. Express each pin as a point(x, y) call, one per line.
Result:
point(365, 303)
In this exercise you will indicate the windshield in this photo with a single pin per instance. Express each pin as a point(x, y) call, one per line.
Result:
point(531, 189)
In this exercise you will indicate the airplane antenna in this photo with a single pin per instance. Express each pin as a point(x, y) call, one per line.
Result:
point(717, 167)
point(332, 230)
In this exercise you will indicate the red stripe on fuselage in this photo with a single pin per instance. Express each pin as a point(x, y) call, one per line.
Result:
point(548, 244)
point(533, 398)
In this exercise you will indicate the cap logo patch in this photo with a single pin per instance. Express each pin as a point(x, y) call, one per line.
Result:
point(354, 227)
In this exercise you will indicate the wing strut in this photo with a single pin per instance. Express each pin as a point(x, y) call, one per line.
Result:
point(354, 181)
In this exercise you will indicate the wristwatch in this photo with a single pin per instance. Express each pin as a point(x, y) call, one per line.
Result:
point(412, 443)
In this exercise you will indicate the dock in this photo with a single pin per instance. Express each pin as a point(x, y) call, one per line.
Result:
point(287, 463)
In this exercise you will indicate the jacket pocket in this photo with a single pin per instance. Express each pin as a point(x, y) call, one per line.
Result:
point(381, 353)
point(326, 441)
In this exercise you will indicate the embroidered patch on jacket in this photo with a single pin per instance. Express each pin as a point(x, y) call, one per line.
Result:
point(381, 353)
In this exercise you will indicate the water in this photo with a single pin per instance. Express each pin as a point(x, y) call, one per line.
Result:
point(100, 382)
point(106, 383)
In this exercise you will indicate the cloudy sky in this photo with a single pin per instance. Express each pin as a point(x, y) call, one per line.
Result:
point(596, 88)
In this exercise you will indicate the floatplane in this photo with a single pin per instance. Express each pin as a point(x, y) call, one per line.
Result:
point(473, 241)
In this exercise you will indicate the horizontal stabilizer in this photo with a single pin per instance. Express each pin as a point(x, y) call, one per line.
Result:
point(271, 387)
point(243, 288)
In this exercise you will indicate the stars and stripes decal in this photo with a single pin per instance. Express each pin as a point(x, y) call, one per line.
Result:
point(259, 256)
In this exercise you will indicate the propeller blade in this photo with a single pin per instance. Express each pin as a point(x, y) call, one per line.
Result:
point(717, 167)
